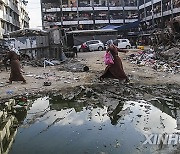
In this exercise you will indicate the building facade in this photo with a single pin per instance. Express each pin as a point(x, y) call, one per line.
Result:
point(87, 14)
point(13, 16)
point(158, 12)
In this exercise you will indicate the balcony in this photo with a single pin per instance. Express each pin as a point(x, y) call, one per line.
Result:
point(156, 1)
point(130, 20)
point(131, 8)
point(176, 10)
point(169, 12)
point(16, 23)
point(149, 17)
point(87, 22)
point(101, 8)
point(2, 31)
point(116, 8)
point(51, 10)
point(112, 21)
point(70, 9)
point(85, 8)
point(141, 7)
point(101, 21)
point(147, 4)
point(70, 22)
point(6, 18)
point(158, 15)
point(1, 14)
point(10, 19)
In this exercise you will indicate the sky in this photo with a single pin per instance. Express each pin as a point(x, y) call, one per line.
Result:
point(34, 11)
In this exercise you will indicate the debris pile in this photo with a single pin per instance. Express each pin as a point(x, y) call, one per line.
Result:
point(166, 61)
point(165, 53)
point(74, 65)
point(41, 62)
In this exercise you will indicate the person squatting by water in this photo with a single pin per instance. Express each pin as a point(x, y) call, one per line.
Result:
point(115, 71)
point(13, 56)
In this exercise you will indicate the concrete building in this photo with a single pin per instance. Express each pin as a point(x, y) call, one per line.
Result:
point(158, 13)
point(87, 14)
point(37, 43)
point(13, 16)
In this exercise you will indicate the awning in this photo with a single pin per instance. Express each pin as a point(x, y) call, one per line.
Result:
point(110, 27)
point(128, 26)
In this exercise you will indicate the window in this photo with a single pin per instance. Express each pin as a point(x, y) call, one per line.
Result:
point(2, 25)
point(92, 42)
point(1, 6)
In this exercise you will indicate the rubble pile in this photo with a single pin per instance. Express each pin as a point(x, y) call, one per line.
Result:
point(164, 61)
point(74, 65)
point(165, 52)
point(41, 62)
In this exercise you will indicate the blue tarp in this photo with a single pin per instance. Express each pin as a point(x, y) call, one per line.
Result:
point(123, 27)
point(110, 27)
point(128, 26)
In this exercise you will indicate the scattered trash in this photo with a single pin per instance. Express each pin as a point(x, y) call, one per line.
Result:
point(86, 68)
point(158, 62)
point(47, 83)
point(9, 92)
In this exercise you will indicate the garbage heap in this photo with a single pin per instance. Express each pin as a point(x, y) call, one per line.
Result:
point(164, 54)
point(166, 61)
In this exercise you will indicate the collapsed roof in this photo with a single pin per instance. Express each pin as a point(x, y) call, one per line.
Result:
point(26, 32)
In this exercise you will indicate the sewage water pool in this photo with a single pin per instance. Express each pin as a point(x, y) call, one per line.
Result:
point(69, 127)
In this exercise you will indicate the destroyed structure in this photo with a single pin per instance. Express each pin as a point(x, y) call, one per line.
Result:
point(165, 52)
point(36, 43)
point(87, 14)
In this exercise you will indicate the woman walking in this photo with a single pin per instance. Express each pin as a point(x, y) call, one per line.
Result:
point(115, 70)
point(15, 67)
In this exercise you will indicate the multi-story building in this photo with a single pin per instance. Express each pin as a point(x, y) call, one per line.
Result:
point(87, 14)
point(13, 16)
point(24, 17)
point(158, 12)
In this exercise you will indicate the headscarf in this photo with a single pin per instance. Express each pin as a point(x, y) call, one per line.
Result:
point(12, 48)
point(109, 43)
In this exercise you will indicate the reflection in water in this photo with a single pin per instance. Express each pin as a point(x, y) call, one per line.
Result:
point(163, 107)
point(53, 125)
point(114, 115)
point(57, 103)
point(9, 119)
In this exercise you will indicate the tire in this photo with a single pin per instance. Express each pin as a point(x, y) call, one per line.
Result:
point(128, 47)
point(81, 50)
point(100, 48)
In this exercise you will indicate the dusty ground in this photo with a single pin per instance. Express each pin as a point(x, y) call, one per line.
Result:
point(60, 78)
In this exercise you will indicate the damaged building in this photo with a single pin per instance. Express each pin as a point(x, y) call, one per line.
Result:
point(157, 14)
point(36, 43)
point(87, 14)
point(13, 16)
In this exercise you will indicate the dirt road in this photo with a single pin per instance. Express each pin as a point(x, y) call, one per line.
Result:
point(62, 78)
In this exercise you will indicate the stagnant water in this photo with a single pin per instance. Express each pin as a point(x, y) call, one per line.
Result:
point(69, 127)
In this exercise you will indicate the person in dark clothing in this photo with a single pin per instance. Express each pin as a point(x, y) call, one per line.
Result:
point(15, 67)
point(115, 70)
point(75, 51)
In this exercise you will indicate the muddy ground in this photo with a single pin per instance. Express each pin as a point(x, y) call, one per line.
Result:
point(71, 74)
